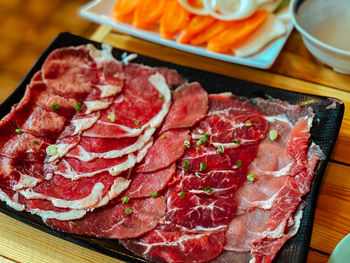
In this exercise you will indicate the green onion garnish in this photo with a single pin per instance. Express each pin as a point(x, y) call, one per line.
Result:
point(187, 144)
point(154, 195)
point(197, 149)
point(220, 149)
point(199, 143)
point(19, 131)
point(55, 106)
point(239, 162)
point(202, 166)
point(51, 150)
point(126, 199)
point(186, 165)
point(128, 211)
point(273, 135)
point(78, 106)
point(250, 177)
point(35, 142)
point(137, 123)
point(205, 138)
point(161, 96)
point(162, 137)
point(182, 195)
point(207, 190)
point(236, 141)
point(248, 123)
point(111, 117)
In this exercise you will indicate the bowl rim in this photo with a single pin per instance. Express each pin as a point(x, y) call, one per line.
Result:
point(303, 32)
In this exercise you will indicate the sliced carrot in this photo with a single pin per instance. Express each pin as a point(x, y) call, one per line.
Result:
point(174, 19)
point(148, 13)
point(124, 8)
point(195, 3)
point(197, 25)
point(236, 33)
point(213, 30)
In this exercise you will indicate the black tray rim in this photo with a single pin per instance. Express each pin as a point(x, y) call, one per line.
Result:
point(94, 243)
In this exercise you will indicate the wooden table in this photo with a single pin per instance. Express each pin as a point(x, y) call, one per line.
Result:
point(295, 69)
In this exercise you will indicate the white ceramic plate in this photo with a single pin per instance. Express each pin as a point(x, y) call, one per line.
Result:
point(100, 11)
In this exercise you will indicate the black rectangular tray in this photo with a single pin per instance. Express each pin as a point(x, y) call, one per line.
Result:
point(324, 133)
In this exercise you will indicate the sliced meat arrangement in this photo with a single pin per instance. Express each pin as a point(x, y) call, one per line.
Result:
point(106, 149)
point(54, 163)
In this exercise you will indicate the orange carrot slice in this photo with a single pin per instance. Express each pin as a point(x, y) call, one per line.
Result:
point(237, 33)
point(197, 25)
point(124, 8)
point(213, 30)
point(174, 19)
point(148, 12)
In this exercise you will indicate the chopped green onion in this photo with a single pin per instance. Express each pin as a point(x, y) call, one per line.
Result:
point(55, 106)
point(111, 117)
point(220, 149)
point(137, 123)
point(128, 211)
point(236, 141)
point(154, 195)
point(202, 166)
point(207, 189)
point(199, 143)
point(186, 165)
point(250, 177)
point(187, 144)
point(248, 123)
point(51, 150)
point(197, 149)
point(182, 195)
point(239, 162)
point(78, 106)
point(126, 199)
point(162, 137)
point(161, 96)
point(36, 142)
point(19, 131)
point(282, 5)
point(205, 138)
point(273, 135)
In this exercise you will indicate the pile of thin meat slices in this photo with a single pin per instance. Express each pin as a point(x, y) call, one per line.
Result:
point(125, 151)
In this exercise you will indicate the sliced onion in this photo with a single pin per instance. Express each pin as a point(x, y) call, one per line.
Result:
point(194, 10)
point(230, 9)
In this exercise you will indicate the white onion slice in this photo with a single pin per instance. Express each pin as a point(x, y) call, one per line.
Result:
point(197, 11)
point(230, 9)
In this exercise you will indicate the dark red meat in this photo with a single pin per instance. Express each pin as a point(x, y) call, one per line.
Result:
point(166, 150)
point(190, 104)
point(69, 72)
point(145, 184)
point(112, 221)
point(178, 245)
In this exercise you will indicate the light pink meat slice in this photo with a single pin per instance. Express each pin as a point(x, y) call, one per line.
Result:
point(190, 104)
point(170, 244)
point(144, 184)
point(288, 199)
point(232, 257)
point(245, 229)
point(166, 150)
point(112, 221)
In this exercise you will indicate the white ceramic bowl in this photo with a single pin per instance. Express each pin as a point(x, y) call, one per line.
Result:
point(306, 14)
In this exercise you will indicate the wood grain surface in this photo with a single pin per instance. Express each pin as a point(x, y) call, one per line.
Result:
point(296, 70)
